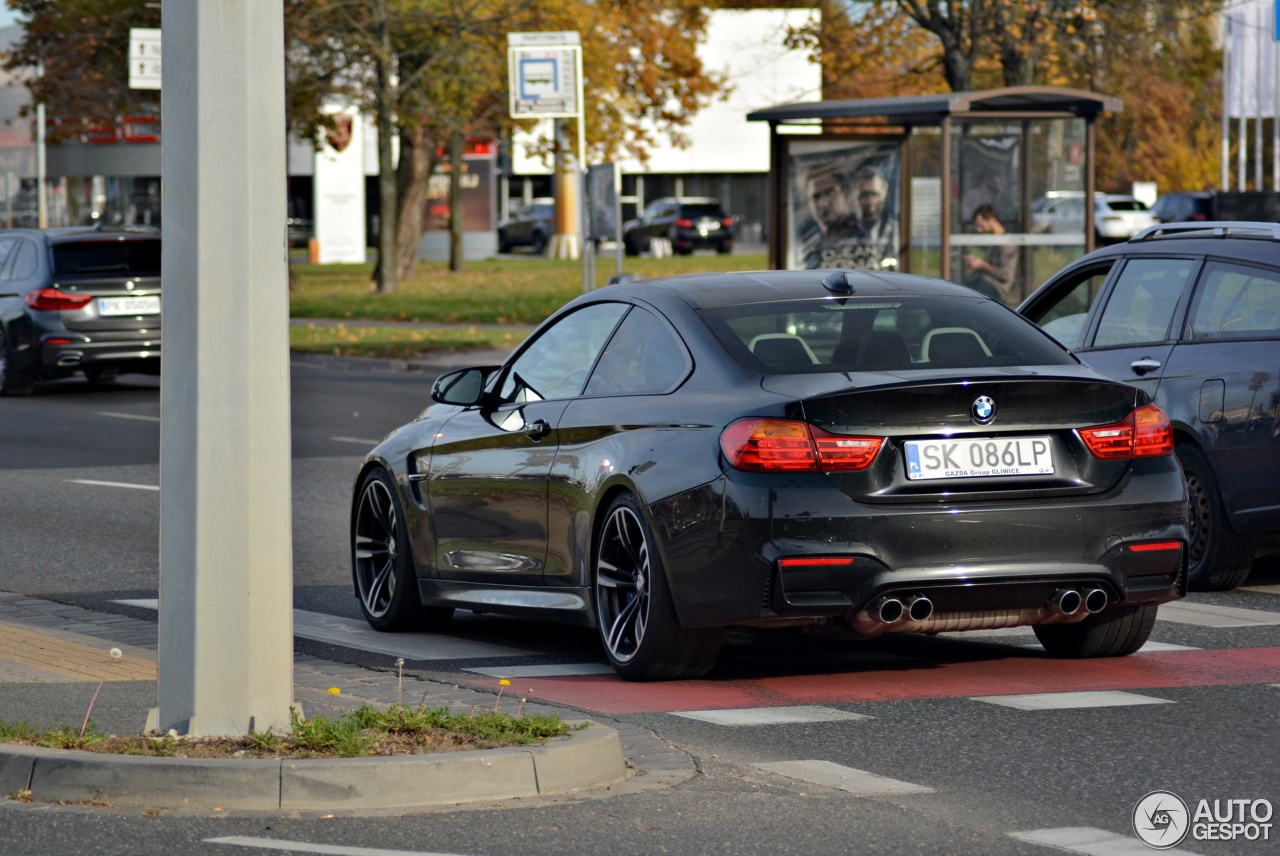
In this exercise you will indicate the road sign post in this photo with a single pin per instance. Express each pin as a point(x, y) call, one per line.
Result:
point(546, 83)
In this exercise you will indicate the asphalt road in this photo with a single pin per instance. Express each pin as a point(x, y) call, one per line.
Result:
point(956, 769)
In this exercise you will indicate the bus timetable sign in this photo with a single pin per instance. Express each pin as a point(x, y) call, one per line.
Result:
point(545, 74)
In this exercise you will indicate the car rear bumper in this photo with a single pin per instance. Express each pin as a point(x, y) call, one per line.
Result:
point(125, 352)
point(723, 545)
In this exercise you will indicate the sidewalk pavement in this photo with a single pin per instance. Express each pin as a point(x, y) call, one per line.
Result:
point(53, 657)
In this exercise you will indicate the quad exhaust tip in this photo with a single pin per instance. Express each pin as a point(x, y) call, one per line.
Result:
point(1067, 601)
point(888, 609)
point(919, 608)
point(1095, 601)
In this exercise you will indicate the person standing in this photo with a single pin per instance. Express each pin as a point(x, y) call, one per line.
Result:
point(995, 273)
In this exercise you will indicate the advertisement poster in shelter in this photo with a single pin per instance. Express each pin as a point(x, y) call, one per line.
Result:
point(844, 204)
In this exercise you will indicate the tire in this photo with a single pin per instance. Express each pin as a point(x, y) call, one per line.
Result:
point(1115, 632)
point(381, 564)
point(1219, 558)
point(13, 381)
point(641, 635)
point(504, 246)
point(724, 248)
point(101, 376)
point(630, 248)
point(539, 244)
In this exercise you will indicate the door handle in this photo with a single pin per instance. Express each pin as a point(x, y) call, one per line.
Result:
point(1146, 365)
point(537, 429)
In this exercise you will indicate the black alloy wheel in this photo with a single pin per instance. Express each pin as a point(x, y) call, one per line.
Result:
point(539, 243)
point(1219, 558)
point(383, 569)
point(642, 636)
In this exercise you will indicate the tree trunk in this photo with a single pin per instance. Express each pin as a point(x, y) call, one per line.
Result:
point(417, 162)
point(457, 252)
point(385, 273)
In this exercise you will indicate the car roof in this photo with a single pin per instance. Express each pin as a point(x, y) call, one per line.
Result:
point(715, 290)
point(66, 234)
point(1258, 242)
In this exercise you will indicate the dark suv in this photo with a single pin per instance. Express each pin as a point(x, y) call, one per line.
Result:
point(78, 300)
point(689, 223)
point(1190, 312)
point(1184, 206)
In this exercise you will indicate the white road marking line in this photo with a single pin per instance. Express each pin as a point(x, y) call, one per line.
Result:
point(1091, 842)
point(307, 847)
point(554, 670)
point(353, 633)
point(1148, 648)
point(115, 484)
point(770, 715)
point(857, 782)
point(1209, 615)
point(1063, 701)
point(136, 416)
point(1264, 589)
point(357, 440)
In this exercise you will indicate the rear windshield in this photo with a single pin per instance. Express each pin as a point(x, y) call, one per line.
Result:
point(880, 334)
point(693, 211)
point(133, 257)
point(1125, 205)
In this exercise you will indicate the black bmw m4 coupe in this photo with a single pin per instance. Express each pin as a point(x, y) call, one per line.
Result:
point(852, 452)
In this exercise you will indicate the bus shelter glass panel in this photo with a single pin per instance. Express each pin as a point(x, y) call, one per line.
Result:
point(1018, 210)
point(926, 201)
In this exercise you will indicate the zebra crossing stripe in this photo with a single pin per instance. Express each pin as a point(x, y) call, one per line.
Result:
point(857, 782)
point(1090, 842)
point(770, 715)
point(1063, 701)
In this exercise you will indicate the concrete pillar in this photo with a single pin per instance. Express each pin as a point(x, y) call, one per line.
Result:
point(226, 587)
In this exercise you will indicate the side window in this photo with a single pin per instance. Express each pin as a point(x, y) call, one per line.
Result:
point(654, 209)
point(644, 356)
point(7, 246)
point(1064, 315)
point(1142, 302)
point(1235, 301)
point(557, 363)
point(24, 262)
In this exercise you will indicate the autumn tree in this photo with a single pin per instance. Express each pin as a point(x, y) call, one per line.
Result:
point(448, 76)
point(83, 46)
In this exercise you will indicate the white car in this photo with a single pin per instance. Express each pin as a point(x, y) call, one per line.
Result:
point(1115, 217)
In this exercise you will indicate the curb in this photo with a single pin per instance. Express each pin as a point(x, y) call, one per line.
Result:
point(585, 758)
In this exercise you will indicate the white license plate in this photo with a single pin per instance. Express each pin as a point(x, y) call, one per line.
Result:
point(967, 459)
point(129, 305)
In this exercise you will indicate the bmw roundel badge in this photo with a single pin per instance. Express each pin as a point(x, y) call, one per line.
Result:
point(984, 410)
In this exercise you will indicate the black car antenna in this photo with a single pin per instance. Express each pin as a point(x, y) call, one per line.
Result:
point(838, 281)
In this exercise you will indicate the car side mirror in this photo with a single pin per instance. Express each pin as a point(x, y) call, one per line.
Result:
point(464, 388)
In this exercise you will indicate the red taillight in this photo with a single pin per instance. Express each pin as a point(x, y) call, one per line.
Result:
point(769, 445)
point(839, 452)
point(726, 221)
point(815, 561)
point(786, 445)
point(1156, 546)
point(1144, 433)
point(684, 223)
point(53, 300)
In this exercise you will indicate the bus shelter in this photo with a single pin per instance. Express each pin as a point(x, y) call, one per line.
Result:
point(992, 188)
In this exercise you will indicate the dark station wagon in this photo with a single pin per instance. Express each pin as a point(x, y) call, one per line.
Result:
point(1190, 314)
point(78, 300)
